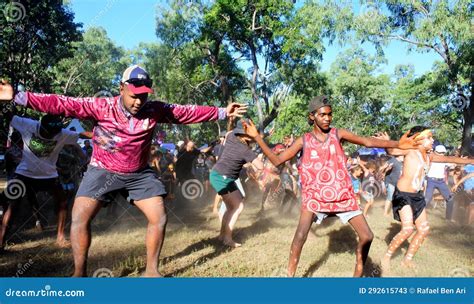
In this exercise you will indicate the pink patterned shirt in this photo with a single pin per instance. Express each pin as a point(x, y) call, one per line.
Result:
point(121, 141)
point(325, 182)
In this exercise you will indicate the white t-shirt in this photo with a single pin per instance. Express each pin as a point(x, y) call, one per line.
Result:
point(437, 170)
point(40, 154)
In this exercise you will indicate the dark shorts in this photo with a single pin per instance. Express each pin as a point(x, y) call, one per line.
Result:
point(222, 184)
point(401, 199)
point(97, 182)
point(31, 186)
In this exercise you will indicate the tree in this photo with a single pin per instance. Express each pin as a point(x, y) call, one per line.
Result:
point(422, 101)
point(443, 27)
point(360, 96)
point(94, 69)
point(275, 40)
point(35, 35)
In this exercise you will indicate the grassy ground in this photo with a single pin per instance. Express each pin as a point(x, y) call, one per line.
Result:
point(191, 248)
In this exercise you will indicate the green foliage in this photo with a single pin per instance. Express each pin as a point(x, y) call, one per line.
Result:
point(292, 119)
point(94, 69)
point(443, 27)
point(35, 35)
point(360, 97)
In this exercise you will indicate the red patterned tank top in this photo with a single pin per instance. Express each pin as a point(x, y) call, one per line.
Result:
point(325, 181)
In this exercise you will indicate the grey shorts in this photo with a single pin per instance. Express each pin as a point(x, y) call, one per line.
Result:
point(343, 216)
point(140, 185)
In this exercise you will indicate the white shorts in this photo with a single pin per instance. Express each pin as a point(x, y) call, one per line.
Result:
point(343, 216)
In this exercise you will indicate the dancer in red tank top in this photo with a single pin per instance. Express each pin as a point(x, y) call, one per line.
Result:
point(325, 182)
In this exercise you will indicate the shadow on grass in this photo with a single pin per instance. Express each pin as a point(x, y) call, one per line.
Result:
point(42, 260)
point(340, 241)
point(371, 269)
point(240, 235)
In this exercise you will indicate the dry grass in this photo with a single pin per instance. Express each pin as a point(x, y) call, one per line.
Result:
point(191, 249)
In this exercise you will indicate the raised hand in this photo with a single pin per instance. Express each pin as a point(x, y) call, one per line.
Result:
point(406, 142)
point(382, 135)
point(6, 91)
point(250, 128)
point(236, 109)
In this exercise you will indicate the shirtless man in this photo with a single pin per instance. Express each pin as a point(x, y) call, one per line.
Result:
point(408, 203)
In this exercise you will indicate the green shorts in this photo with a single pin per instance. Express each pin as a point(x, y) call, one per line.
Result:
point(221, 183)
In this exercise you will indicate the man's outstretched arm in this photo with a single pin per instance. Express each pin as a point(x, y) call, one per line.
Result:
point(81, 108)
point(188, 114)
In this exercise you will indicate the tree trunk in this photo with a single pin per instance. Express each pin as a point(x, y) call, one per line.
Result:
point(253, 87)
point(467, 133)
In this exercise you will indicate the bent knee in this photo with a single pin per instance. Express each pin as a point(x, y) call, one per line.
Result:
point(424, 228)
point(158, 222)
point(407, 231)
point(366, 238)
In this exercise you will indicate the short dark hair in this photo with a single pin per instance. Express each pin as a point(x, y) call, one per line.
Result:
point(417, 129)
point(52, 124)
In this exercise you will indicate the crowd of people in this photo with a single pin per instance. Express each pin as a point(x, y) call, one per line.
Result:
point(313, 172)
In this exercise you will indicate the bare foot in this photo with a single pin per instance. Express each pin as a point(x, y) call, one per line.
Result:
point(408, 264)
point(62, 243)
point(385, 266)
point(231, 243)
point(151, 274)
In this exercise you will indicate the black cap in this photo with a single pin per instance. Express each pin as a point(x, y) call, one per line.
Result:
point(318, 102)
point(239, 128)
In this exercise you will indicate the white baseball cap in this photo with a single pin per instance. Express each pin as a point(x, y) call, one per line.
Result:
point(440, 149)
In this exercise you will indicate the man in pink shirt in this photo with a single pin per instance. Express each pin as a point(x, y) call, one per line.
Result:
point(121, 141)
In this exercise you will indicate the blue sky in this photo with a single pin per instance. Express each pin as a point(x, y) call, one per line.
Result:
point(129, 22)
